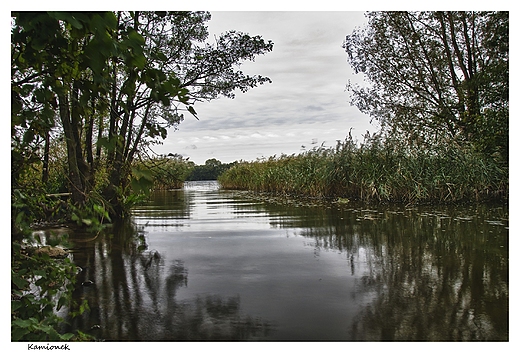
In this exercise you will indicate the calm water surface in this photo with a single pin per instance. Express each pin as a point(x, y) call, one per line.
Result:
point(207, 264)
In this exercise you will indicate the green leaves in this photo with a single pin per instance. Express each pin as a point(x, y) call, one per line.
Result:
point(31, 329)
point(17, 279)
point(164, 173)
point(93, 216)
point(140, 173)
point(109, 144)
point(75, 20)
point(40, 285)
point(192, 111)
point(142, 180)
point(425, 76)
point(155, 130)
point(132, 50)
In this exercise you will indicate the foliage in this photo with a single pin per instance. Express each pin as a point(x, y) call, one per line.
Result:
point(53, 59)
point(40, 284)
point(93, 216)
point(40, 287)
point(32, 206)
point(435, 76)
point(377, 170)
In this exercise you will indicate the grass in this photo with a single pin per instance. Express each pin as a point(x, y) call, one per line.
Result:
point(377, 170)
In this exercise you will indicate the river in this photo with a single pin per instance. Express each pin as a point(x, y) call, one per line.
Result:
point(204, 264)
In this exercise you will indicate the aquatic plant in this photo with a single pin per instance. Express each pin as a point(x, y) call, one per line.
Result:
point(381, 170)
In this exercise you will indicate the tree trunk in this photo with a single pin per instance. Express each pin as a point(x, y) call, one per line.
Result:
point(45, 172)
point(117, 163)
point(89, 131)
point(77, 129)
point(77, 187)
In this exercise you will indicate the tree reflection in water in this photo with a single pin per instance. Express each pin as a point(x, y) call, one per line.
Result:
point(134, 297)
point(432, 274)
point(434, 278)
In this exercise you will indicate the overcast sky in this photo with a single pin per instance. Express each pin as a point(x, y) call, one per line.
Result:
point(305, 105)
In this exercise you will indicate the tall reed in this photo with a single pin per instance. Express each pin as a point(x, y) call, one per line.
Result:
point(381, 170)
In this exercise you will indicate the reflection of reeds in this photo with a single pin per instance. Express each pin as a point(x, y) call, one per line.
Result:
point(377, 170)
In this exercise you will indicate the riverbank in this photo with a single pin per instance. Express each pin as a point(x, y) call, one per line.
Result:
point(377, 171)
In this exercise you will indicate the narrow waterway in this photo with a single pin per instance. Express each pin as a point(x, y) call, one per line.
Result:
point(207, 264)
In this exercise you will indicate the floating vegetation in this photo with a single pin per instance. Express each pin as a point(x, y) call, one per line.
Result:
point(495, 223)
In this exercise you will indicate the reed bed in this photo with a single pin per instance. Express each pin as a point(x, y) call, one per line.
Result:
point(377, 170)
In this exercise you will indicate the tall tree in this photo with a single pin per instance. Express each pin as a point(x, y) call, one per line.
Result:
point(180, 69)
point(435, 75)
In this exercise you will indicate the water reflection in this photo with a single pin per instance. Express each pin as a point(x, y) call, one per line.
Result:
point(436, 274)
point(205, 264)
point(133, 297)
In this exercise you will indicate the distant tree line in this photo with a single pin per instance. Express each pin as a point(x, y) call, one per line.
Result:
point(211, 170)
point(167, 172)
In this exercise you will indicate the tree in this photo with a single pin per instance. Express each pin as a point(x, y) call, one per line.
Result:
point(116, 81)
point(435, 76)
point(58, 64)
point(210, 170)
point(177, 61)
